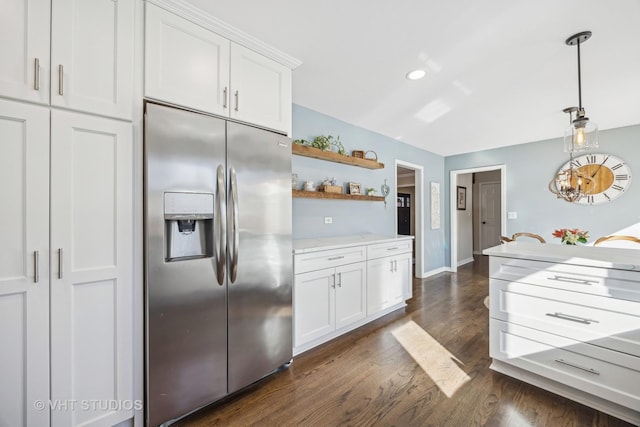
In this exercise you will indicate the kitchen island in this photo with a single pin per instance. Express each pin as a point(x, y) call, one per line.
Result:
point(342, 283)
point(567, 319)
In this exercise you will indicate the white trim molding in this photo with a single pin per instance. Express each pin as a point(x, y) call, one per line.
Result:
point(198, 16)
point(418, 204)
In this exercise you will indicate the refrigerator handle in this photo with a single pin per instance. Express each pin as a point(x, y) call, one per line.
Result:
point(233, 230)
point(220, 246)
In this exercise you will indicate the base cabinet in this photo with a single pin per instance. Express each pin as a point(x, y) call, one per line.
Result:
point(328, 299)
point(66, 282)
point(340, 289)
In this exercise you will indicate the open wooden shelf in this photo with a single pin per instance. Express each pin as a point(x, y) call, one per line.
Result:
point(323, 195)
point(305, 150)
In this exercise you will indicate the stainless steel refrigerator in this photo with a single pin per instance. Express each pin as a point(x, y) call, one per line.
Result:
point(218, 269)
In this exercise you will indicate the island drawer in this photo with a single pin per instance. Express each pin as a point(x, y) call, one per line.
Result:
point(607, 322)
point(611, 375)
point(380, 250)
point(312, 261)
point(621, 284)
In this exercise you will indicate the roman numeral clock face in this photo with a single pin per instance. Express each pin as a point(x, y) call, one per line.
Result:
point(610, 177)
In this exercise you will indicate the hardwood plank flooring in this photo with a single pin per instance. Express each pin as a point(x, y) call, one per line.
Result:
point(442, 378)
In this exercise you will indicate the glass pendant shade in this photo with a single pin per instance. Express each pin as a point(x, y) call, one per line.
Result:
point(581, 137)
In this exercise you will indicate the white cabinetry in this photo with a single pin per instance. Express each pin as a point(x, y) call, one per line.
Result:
point(333, 287)
point(91, 58)
point(192, 66)
point(571, 329)
point(389, 272)
point(80, 268)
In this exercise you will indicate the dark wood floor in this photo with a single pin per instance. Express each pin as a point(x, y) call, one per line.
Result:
point(441, 379)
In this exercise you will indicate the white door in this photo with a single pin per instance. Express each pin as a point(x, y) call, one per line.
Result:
point(260, 89)
point(351, 292)
point(185, 64)
point(24, 49)
point(91, 267)
point(24, 264)
point(314, 294)
point(92, 56)
point(489, 214)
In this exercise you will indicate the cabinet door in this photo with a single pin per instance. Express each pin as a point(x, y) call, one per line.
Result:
point(91, 273)
point(260, 89)
point(313, 301)
point(384, 287)
point(24, 286)
point(185, 64)
point(24, 30)
point(92, 56)
point(351, 293)
point(403, 269)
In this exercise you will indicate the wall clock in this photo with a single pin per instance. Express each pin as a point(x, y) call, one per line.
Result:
point(611, 177)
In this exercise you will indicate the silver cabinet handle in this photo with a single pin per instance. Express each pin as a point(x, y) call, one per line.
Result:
point(220, 246)
point(395, 265)
point(391, 264)
point(333, 280)
point(335, 258)
point(237, 103)
point(340, 279)
point(60, 79)
point(36, 74)
point(582, 368)
point(572, 318)
point(392, 249)
point(234, 219)
point(60, 263)
point(36, 266)
point(224, 101)
point(575, 280)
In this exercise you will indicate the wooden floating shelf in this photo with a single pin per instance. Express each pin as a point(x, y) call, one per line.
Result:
point(341, 196)
point(305, 150)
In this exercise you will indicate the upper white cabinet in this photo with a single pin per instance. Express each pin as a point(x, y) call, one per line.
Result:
point(185, 64)
point(189, 65)
point(83, 61)
point(261, 89)
point(92, 56)
point(24, 68)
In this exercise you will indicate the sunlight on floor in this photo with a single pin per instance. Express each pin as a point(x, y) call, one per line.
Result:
point(433, 358)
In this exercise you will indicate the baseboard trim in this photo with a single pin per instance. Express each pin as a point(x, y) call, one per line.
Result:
point(465, 261)
point(430, 273)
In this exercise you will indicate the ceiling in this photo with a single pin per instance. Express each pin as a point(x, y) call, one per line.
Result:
point(498, 71)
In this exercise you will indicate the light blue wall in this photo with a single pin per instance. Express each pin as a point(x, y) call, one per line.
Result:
point(529, 169)
point(350, 217)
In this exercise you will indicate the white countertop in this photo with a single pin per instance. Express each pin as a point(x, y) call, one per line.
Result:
point(302, 246)
point(593, 256)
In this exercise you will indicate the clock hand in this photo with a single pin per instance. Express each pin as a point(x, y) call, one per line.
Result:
point(597, 170)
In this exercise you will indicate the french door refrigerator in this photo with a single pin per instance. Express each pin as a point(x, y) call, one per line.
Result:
point(218, 264)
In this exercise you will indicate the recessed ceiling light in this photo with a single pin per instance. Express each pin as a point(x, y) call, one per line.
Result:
point(416, 74)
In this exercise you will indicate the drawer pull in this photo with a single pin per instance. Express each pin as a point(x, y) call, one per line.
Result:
point(333, 258)
point(573, 280)
point(393, 249)
point(572, 318)
point(582, 368)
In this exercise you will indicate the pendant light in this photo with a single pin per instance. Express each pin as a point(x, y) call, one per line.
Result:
point(582, 134)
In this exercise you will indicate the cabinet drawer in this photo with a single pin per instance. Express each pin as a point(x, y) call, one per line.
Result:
point(380, 250)
point(608, 374)
point(598, 320)
point(331, 258)
point(621, 284)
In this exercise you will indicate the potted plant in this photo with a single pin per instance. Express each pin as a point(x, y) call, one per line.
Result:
point(371, 191)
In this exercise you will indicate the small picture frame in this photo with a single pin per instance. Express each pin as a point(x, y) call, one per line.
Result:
point(354, 188)
point(461, 203)
point(358, 154)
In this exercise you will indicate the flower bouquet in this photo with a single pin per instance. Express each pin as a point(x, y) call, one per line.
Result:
point(571, 236)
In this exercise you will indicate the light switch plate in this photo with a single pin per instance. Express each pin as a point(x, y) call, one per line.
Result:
point(512, 215)
point(328, 220)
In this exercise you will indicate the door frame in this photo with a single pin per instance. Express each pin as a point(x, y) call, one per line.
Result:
point(480, 202)
point(418, 204)
point(453, 179)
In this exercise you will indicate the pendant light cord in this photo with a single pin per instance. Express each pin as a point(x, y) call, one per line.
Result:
point(579, 79)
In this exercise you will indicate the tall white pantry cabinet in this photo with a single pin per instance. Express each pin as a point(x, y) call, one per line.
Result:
point(66, 161)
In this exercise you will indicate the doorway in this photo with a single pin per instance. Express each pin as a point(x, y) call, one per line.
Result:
point(409, 193)
point(498, 214)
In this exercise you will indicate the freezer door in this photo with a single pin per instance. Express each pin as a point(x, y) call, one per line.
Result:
point(259, 247)
point(186, 354)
